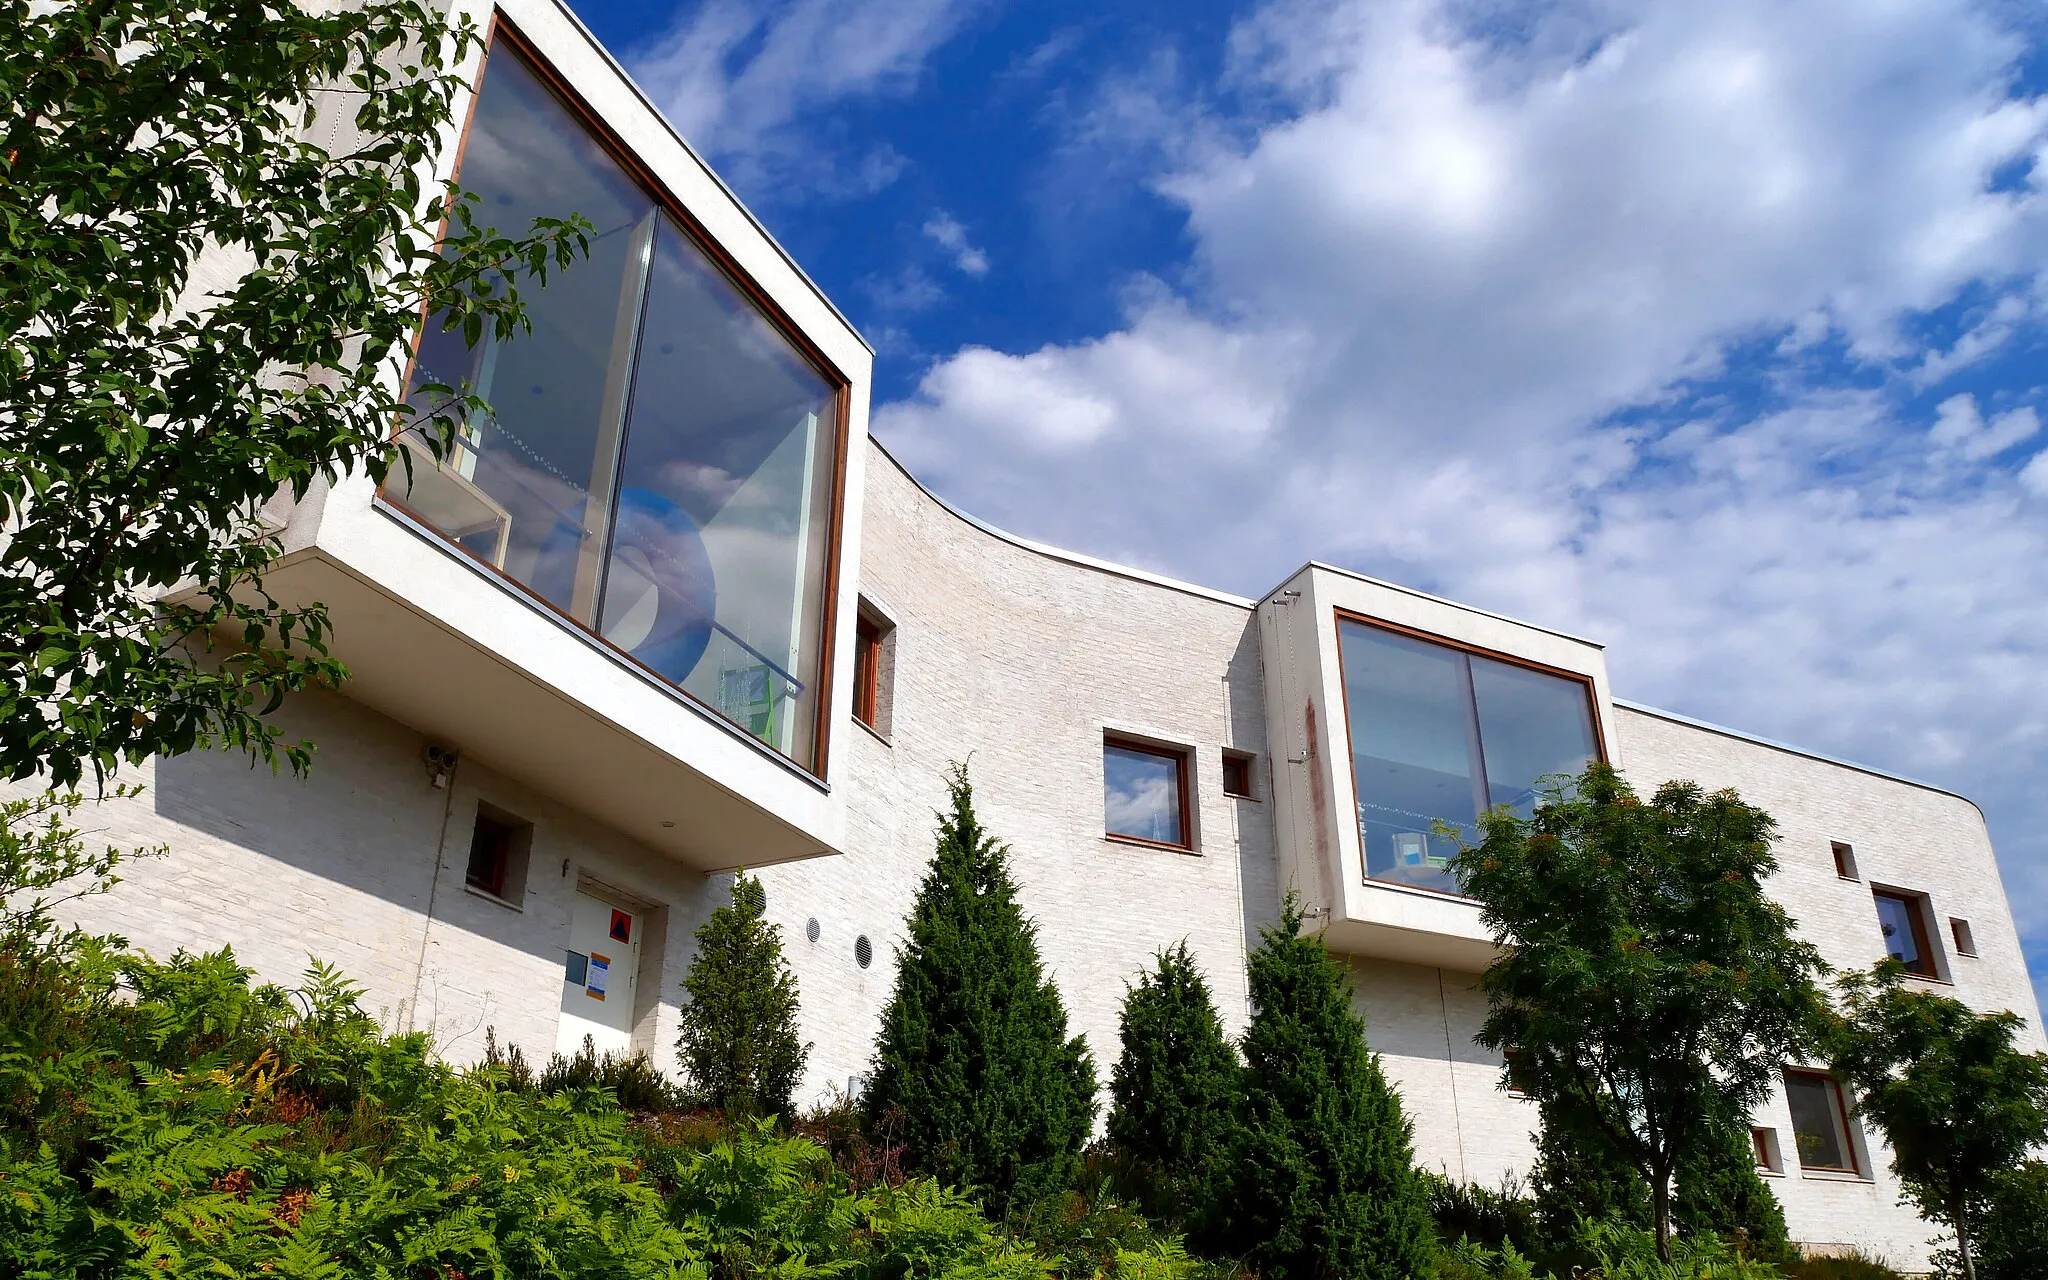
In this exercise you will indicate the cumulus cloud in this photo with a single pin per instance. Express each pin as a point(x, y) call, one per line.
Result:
point(1553, 315)
point(736, 78)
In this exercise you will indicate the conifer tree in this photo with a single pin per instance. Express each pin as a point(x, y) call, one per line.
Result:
point(974, 1072)
point(739, 1039)
point(1175, 1090)
point(1326, 1184)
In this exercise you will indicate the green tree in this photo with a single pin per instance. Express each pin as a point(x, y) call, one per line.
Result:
point(1645, 978)
point(1175, 1088)
point(974, 1072)
point(1325, 1179)
point(739, 1041)
point(2009, 1231)
point(145, 418)
point(1720, 1191)
point(1955, 1097)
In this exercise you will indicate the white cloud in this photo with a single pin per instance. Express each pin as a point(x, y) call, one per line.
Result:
point(945, 231)
point(1426, 288)
point(737, 78)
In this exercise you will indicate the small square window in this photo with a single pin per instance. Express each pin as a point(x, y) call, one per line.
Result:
point(498, 846)
point(1237, 776)
point(1966, 942)
point(1764, 1142)
point(1845, 860)
point(870, 670)
point(1903, 918)
point(1820, 1122)
point(1145, 793)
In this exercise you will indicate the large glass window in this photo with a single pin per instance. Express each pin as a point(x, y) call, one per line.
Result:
point(1439, 734)
point(658, 459)
point(1903, 919)
point(1144, 793)
point(1820, 1123)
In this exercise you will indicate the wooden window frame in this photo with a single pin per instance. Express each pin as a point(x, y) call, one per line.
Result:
point(1917, 907)
point(1579, 678)
point(1179, 756)
point(504, 876)
point(1965, 937)
point(1845, 859)
point(1244, 761)
point(503, 28)
point(867, 669)
point(1839, 1096)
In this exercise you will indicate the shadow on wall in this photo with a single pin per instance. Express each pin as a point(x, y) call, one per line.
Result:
point(1257, 864)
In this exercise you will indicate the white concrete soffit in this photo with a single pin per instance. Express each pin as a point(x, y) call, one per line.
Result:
point(634, 85)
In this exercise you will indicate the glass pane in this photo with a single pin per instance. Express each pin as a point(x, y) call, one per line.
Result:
point(1895, 917)
point(529, 489)
point(716, 572)
point(1414, 755)
point(1530, 725)
point(1141, 795)
point(1816, 1121)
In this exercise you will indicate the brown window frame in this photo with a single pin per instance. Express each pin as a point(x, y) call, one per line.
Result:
point(1845, 859)
point(1840, 1096)
point(1179, 756)
point(1583, 680)
point(1917, 907)
point(867, 669)
point(503, 860)
point(1242, 763)
point(1965, 937)
point(665, 200)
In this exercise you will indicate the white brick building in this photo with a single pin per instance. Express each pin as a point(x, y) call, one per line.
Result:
point(672, 612)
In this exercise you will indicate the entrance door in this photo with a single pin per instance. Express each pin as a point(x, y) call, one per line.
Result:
point(597, 984)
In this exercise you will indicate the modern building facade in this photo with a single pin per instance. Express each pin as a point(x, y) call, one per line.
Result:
point(670, 611)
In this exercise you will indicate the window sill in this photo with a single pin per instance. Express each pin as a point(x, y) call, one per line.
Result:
point(873, 732)
point(1763, 1172)
point(1161, 846)
point(1837, 1175)
point(1929, 979)
point(488, 896)
point(1231, 795)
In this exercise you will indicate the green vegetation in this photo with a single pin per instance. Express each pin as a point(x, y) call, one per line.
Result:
point(1175, 1091)
point(739, 1040)
point(1647, 984)
point(1957, 1100)
point(974, 1072)
point(1324, 1180)
point(144, 420)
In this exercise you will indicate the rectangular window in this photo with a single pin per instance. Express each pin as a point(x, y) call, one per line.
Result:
point(867, 670)
point(1820, 1122)
point(1765, 1144)
point(1903, 918)
point(1439, 733)
point(498, 847)
point(1237, 776)
point(1145, 793)
point(1966, 942)
point(659, 455)
point(1845, 860)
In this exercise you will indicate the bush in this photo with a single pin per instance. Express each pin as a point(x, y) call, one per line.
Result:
point(738, 1039)
point(975, 1075)
point(1853, 1266)
point(1325, 1169)
point(1488, 1218)
point(2011, 1227)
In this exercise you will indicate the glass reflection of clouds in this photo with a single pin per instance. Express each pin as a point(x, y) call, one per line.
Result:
point(1439, 735)
point(1141, 795)
point(657, 461)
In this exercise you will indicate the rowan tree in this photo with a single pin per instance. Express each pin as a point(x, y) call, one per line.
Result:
point(147, 147)
point(1644, 979)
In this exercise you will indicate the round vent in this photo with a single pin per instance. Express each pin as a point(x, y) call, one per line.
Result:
point(811, 929)
point(863, 953)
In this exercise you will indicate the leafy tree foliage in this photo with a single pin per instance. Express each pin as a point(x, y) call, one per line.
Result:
point(2009, 1228)
point(1645, 977)
point(1175, 1089)
point(974, 1071)
point(1720, 1191)
point(739, 1039)
point(150, 148)
point(1956, 1098)
point(1325, 1183)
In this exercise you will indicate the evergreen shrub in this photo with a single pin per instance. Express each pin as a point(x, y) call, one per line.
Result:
point(974, 1072)
point(1325, 1179)
point(738, 1039)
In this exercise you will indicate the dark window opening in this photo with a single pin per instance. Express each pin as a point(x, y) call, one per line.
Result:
point(1903, 919)
point(1966, 942)
point(1237, 776)
point(1820, 1122)
point(867, 671)
point(1145, 793)
point(1845, 860)
point(498, 847)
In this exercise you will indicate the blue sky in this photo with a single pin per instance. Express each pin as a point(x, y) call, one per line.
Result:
point(1716, 332)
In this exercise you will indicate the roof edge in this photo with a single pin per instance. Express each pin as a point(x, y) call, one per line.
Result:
point(1061, 554)
point(1435, 599)
point(1726, 732)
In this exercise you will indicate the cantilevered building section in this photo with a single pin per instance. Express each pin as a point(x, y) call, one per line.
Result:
point(670, 611)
